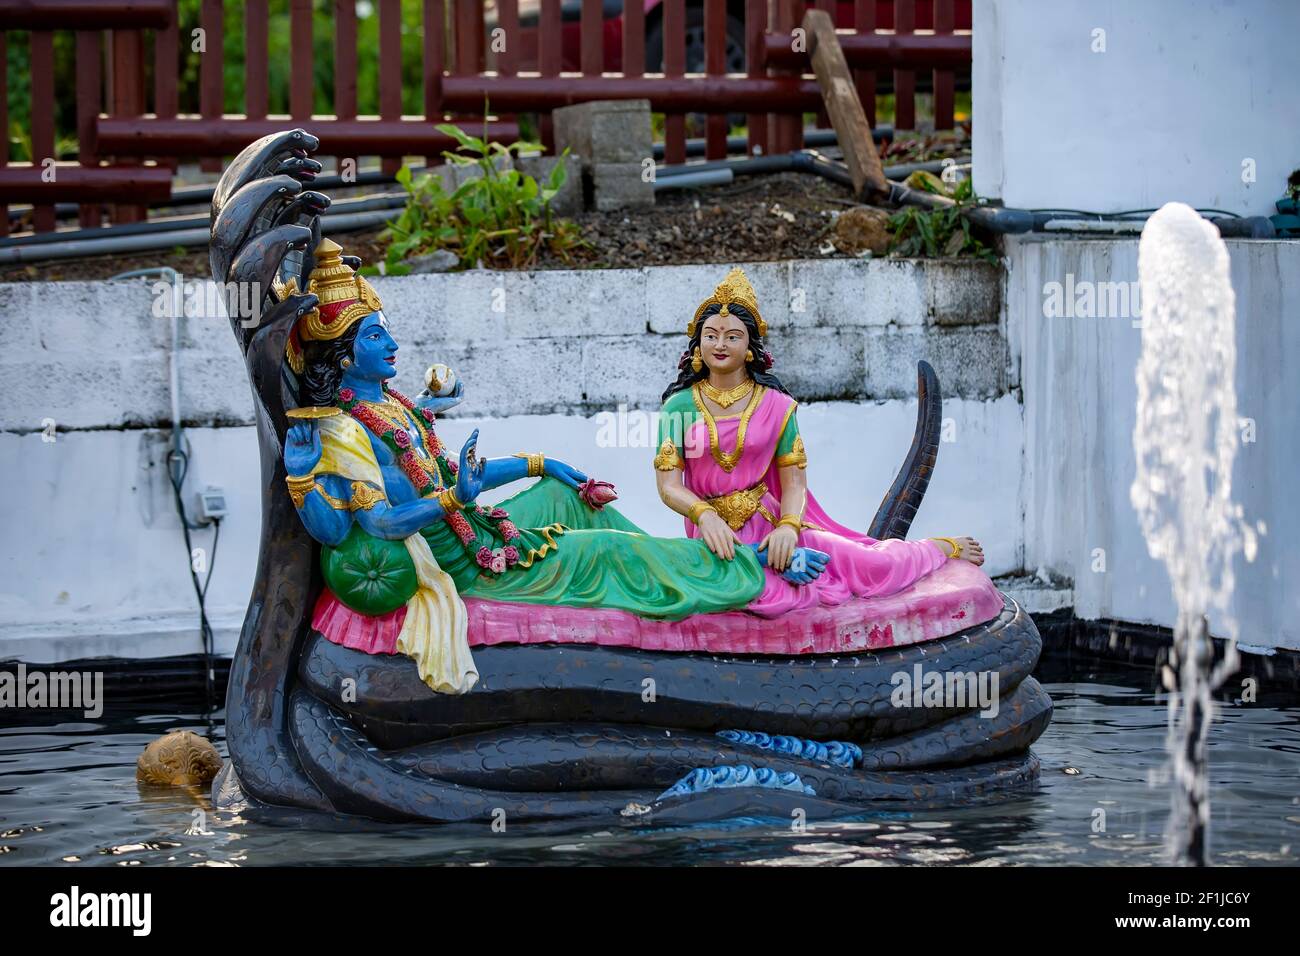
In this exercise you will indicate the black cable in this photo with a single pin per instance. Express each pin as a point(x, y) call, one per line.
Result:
point(176, 475)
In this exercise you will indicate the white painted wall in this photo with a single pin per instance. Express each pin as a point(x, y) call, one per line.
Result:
point(1185, 91)
point(1078, 377)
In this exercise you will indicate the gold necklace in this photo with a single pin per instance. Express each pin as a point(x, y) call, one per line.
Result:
point(725, 399)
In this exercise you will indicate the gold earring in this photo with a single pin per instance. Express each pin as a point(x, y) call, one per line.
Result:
point(697, 360)
point(346, 363)
point(749, 355)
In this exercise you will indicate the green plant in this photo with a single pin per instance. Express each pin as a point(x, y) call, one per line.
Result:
point(501, 218)
point(938, 232)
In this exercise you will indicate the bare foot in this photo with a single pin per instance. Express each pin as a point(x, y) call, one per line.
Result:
point(970, 550)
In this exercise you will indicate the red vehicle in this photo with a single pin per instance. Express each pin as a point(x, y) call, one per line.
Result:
point(571, 12)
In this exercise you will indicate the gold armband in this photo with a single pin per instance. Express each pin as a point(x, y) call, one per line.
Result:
point(698, 510)
point(447, 498)
point(536, 463)
point(793, 521)
point(365, 497)
point(299, 486)
point(952, 543)
point(668, 458)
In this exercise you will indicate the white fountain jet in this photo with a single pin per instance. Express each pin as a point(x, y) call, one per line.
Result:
point(1186, 438)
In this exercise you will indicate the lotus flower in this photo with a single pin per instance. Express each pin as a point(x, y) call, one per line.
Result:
point(597, 494)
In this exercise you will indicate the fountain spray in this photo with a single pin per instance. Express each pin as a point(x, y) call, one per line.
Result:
point(1186, 439)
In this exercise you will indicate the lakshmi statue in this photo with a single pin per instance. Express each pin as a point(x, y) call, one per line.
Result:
point(756, 493)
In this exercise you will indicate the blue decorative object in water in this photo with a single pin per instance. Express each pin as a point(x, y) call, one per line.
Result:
point(835, 752)
point(736, 775)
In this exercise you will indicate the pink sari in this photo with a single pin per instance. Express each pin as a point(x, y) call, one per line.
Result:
point(860, 566)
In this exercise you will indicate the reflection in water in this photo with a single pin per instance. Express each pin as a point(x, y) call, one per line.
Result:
point(68, 795)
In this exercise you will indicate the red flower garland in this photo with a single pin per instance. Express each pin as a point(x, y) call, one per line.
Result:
point(426, 482)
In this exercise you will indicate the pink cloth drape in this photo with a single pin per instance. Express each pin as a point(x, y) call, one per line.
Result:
point(860, 566)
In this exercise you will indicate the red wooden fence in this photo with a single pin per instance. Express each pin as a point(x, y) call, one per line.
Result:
point(127, 152)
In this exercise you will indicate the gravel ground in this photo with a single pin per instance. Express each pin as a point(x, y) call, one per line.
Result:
point(785, 216)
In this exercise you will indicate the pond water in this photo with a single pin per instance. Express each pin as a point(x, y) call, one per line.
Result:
point(68, 796)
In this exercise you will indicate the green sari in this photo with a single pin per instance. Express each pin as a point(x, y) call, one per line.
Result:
point(599, 559)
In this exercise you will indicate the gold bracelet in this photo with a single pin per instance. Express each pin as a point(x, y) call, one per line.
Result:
point(698, 510)
point(447, 498)
point(536, 462)
point(299, 486)
point(952, 543)
point(793, 521)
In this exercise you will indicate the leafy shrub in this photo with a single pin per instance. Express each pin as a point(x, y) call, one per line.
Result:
point(502, 219)
point(938, 232)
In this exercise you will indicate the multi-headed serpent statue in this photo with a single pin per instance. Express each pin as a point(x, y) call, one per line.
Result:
point(411, 654)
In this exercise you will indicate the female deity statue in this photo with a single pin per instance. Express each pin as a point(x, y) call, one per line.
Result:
point(732, 462)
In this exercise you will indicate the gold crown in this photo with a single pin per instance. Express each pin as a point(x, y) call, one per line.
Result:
point(345, 298)
point(734, 289)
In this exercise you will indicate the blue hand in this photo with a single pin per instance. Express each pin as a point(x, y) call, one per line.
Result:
point(806, 565)
point(561, 471)
point(302, 448)
point(469, 476)
point(441, 403)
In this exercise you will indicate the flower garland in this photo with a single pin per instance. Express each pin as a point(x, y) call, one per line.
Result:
point(428, 482)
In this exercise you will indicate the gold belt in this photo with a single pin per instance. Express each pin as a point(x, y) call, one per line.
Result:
point(739, 506)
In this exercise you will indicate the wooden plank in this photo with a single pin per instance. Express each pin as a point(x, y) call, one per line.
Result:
point(674, 34)
point(345, 72)
point(785, 131)
point(435, 51)
point(549, 59)
point(42, 78)
point(943, 79)
point(302, 62)
point(127, 101)
point(212, 81)
point(715, 64)
point(4, 121)
point(466, 35)
point(591, 30)
point(755, 26)
point(508, 23)
point(904, 80)
point(90, 99)
point(633, 38)
point(390, 71)
point(257, 56)
point(828, 7)
point(864, 21)
point(845, 110)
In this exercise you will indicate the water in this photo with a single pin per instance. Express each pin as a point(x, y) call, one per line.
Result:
point(1185, 442)
point(68, 797)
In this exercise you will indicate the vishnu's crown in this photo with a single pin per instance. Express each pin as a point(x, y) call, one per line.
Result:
point(734, 289)
point(345, 298)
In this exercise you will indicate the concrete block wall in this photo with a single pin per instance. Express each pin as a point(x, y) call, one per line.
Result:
point(569, 342)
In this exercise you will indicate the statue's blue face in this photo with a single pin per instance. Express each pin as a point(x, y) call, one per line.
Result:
point(374, 354)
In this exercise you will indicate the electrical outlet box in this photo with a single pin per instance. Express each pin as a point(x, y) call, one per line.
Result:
point(212, 503)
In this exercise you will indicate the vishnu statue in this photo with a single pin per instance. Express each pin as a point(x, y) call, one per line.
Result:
point(405, 541)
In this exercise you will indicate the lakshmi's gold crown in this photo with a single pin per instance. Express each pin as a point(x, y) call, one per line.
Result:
point(345, 299)
point(734, 289)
